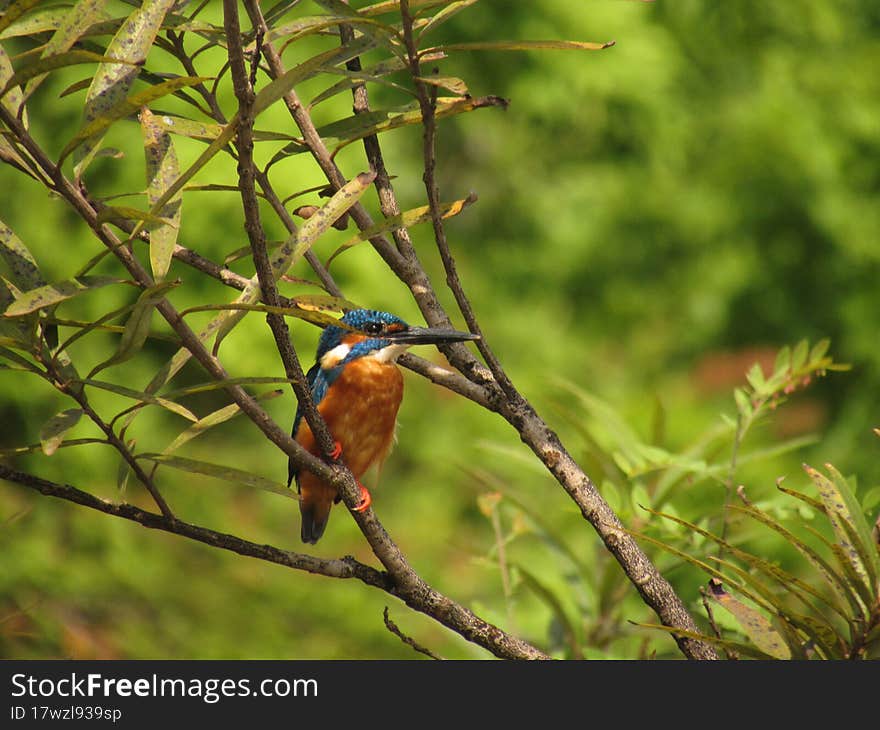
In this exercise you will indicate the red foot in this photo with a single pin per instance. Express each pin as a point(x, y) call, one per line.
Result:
point(337, 450)
point(366, 499)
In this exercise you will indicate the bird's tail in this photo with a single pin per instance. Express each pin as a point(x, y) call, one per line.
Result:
point(315, 513)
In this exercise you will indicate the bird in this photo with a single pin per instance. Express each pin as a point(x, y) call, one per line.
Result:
point(357, 388)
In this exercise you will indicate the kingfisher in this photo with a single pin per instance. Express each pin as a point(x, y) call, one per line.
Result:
point(357, 387)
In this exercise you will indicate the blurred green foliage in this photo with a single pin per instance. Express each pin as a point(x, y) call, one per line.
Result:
point(652, 219)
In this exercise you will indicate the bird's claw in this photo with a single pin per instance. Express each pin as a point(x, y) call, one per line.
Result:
point(337, 450)
point(366, 499)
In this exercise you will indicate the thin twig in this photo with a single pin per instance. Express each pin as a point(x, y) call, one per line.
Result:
point(394, 629)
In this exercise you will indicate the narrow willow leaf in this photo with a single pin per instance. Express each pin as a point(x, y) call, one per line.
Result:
point(754, 624)
point(162, 172)
point(45, 296)
point(111, 83)
point(219, 416)
point(856, 519)
point(33, 448)
point(838, 512)
point(227, 473)
point(14, 99)
point(191, 128)
point(835, 581)
point(73, 24)
point(736, 646)
point(120, 213)
point(450, 83)
point(276, 90)
point(404, 220)
point(521, 46)
point(21, 262)
point(142, 397)
point(316, 23)
point(297, 245)
point(15, 11)
point(21, 362)
point(44, 65)
point(351, 129)
point(380, 33)
point(393, 6)
point(92, 132)
point(225, 137)
point(137, 328)
point(443, 15)
point(52, 432)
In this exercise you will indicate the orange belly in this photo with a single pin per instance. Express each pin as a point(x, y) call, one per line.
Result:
point(360, 409)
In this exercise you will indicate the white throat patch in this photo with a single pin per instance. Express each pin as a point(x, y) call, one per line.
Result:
point(333, 357)
point(389, 353)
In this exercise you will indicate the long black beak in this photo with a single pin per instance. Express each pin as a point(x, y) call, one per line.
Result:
point(428, 336)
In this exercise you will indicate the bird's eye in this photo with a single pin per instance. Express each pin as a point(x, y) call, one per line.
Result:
point(372, 328)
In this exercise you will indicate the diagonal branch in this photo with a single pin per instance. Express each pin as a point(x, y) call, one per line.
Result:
point(427, 601)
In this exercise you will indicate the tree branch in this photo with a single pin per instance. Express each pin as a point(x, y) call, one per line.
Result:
point(422, 598)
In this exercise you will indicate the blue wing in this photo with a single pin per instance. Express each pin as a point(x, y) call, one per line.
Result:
point(319, 381)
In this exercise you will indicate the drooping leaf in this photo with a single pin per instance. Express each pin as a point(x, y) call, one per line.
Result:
point(754, 624)
point(70, 27)
point(22, 265)
point(227, 473)
point(52, 432)
point(92, 132)
point(142, 397)
point(219, 416)
point(44, 65)
point(14, 99)
point(443, 15)
point(138, 325)
point(45, 296)
point(520, 46)
point(404, 220)
point(110, 85)
point(850, 527)
point(15, 11)
point(162, 172)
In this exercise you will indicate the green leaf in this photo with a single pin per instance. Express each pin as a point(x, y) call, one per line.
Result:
point(14, 12)
point(44, 65)
point(14, 99)
point(33, 448)
point(52, 432)
point(227, 473)
point(110, 85)
point(754, 624)
point(93, 130)
point(45, 296)
point(276, 90)
point(850, 527)
point(520, 46)
point(22, 265)
point(404, 220)
point(743, 403)
point(119, 213)
point(142, 397)
point(739, 647)
point(70, 27)
point(351, 129)
point(450, 83)
point(212, 419)
point(162, 171)
point(137, 328)
point(799, 355)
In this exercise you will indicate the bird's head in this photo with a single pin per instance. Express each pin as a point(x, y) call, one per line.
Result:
point(383, 336)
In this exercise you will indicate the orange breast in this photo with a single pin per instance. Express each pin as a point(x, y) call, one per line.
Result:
point(361, 411)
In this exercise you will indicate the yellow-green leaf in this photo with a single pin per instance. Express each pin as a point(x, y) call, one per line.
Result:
point(44, 65)
point(110, 86)
point(142, 397)
point(227, 473)
point(162, 172)
point(754, 624)
point(521, 46)
point(45, 296)
point(52, 432)
point(137, 328)
point(15, 11)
